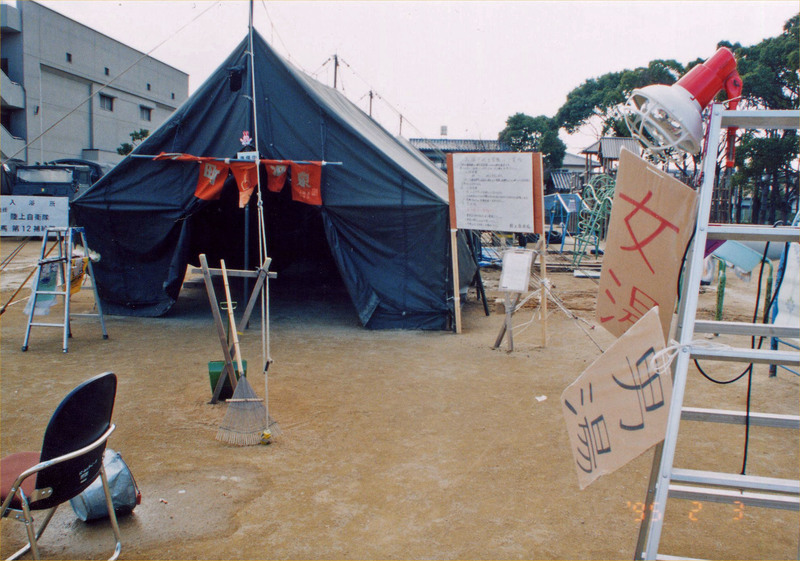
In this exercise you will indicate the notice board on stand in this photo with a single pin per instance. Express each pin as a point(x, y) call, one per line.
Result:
point(498, 192)
point(516, 272)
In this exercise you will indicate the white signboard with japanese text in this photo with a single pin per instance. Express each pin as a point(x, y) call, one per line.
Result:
point(23, 215)
point(495, 191)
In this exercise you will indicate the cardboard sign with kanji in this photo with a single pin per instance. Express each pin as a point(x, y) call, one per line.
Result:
point(652, 220)
point(618, 406)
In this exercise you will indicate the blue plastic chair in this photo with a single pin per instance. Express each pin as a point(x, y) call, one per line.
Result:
point(71, 459)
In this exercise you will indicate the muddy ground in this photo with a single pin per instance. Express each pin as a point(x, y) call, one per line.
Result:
point(394, 444)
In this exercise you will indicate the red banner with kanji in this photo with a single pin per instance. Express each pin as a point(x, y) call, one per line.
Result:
point(246, 175)
point(276, 177)
point(212, 177)
point(306, 177)
point(306, 181)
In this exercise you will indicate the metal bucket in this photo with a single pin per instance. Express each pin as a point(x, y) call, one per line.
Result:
point(125, 494)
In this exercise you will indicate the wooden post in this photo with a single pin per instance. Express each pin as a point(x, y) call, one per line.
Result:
point(543, 293)
point(538, 228)
point(507, 327)
point(454, 243)
point(456, 287)
point(212, 300)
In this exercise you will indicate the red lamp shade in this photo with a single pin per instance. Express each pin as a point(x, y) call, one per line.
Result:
point(670, 117)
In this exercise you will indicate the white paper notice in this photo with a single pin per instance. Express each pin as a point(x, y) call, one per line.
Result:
point(516, 273)
point(494, 191)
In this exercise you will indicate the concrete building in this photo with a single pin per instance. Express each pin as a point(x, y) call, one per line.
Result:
point(437, 149)
point(70, 92)
point(606, 152)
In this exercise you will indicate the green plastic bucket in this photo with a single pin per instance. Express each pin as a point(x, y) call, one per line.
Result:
point(216, 368)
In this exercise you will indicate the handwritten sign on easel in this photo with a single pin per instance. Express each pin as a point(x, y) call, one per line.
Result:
point(516, 272)
point(494, 191)
point(515, 279)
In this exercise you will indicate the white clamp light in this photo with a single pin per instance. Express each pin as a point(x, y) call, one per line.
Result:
point(665, 118)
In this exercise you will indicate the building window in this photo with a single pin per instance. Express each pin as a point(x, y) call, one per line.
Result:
point(69, 57)
point(106, 70)
point(173, 95)
point(106, 102)
point(145, 113)
point(148, 86)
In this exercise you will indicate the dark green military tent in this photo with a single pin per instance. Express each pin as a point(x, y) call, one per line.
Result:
point(384, 218)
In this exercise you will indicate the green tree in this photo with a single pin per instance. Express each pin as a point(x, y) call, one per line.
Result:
point(767, 160)
point(600, 97)
point(524, 133)
point(136, 137)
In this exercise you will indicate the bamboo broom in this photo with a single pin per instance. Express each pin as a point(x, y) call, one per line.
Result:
point(246, 417)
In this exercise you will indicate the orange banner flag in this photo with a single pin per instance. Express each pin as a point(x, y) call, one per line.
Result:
point(306, 181)
point(212, 178)
point(246, 175)
point(276, 177)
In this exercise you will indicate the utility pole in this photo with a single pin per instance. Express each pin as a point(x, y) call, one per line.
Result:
point(335, 69)
point(370, 103)
point(401, 126)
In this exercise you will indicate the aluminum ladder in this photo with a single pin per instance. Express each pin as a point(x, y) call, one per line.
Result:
point(667, 481)
point(65, 242)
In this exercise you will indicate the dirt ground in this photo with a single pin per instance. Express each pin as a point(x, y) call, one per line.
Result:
point(394, 444)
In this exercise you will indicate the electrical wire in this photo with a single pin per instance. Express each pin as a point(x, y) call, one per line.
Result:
point(283, 44)
point(544, 285)
point(748, 371)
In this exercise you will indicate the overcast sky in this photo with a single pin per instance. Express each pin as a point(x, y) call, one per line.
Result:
point(466, 65)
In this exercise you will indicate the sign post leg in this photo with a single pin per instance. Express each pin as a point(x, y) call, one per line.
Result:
point(509, 313)
point(543, 293)
point(456, 287)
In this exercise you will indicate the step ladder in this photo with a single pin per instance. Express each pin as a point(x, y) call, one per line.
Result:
point(667, 481)
point(65, 239)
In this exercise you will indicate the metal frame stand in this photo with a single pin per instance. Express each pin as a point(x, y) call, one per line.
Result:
point(665, 480)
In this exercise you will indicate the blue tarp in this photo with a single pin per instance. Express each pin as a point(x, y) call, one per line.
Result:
point(384, 218)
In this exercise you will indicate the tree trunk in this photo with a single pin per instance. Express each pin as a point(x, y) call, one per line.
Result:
point(775, 199)
point(738, 207)
point(755, 207)
point(789, 192)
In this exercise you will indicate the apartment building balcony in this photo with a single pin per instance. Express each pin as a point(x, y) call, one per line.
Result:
point(11, 145)
point(12, 95)
point(10, 19)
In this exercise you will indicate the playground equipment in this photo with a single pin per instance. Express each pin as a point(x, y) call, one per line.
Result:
point(598, 196)
point(563, 209)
